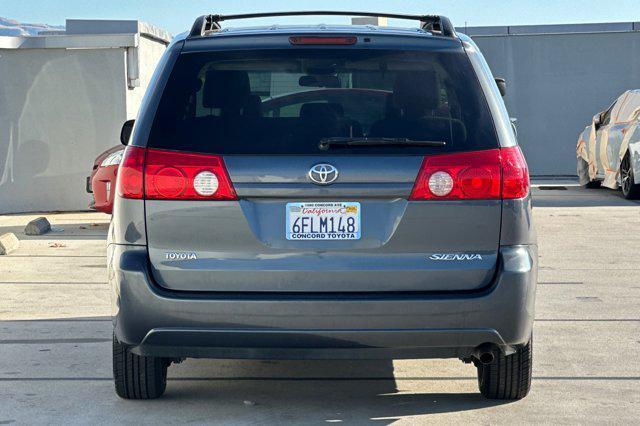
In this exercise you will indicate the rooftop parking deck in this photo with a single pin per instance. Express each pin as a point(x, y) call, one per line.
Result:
point(55, 340)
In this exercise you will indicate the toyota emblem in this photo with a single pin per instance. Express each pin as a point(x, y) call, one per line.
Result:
point(323, 174)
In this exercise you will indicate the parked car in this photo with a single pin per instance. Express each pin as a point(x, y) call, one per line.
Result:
point(101, 182)
point(322, 192)
point(609, 148)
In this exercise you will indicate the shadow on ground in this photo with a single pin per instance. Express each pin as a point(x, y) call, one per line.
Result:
point(254, 391)
point(322, 402)
point(310, 391)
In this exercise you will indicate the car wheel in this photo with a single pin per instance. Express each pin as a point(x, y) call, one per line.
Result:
point(508, 376)
point(138, 377)
point(630, 189)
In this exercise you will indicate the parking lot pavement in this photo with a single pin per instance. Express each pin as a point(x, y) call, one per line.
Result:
point(55, 338)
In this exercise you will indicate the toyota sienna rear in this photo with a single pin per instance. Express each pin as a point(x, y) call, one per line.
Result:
point(322, 192)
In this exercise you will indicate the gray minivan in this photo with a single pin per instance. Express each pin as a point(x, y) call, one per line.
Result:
point(322, 192)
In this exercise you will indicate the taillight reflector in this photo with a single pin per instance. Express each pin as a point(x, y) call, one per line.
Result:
point(478, 175)
point(316, 40)
point(167, 175)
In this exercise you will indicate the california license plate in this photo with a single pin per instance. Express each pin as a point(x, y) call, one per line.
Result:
point(323, 221)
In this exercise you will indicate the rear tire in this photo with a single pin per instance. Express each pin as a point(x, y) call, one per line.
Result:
point(507, 377)
point(630, 189)
point(138, 377)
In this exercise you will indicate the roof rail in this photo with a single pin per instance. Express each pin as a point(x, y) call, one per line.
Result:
point(440, 25)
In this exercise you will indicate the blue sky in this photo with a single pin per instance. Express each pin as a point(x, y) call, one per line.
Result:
point(177, 16)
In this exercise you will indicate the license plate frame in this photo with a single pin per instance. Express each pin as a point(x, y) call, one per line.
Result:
point(326, 221)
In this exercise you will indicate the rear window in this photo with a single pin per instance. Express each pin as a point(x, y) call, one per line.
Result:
point(287, 101)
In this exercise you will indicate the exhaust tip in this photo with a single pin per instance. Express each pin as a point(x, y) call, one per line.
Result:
point(486, 357)
point(486, 353)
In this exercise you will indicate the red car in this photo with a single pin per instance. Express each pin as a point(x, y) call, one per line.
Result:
point(102, 181)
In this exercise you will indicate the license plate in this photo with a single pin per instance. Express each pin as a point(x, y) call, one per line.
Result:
point(323, 221)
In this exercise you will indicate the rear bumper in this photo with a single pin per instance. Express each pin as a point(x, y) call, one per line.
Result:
point(161, 323)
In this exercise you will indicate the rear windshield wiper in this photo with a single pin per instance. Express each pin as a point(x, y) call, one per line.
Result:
point(325, 143)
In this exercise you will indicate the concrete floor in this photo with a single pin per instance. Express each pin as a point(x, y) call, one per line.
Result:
point(55, 341)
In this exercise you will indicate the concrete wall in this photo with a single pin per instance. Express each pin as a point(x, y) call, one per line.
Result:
point(59, 110)
point(63, 99)
point(558, 77)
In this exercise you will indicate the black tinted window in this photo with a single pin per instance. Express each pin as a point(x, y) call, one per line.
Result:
point(286, 101)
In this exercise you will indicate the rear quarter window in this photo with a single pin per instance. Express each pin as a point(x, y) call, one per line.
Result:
point(286, 101)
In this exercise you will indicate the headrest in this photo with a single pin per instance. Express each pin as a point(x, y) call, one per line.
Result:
point(226, 89)
point(253, 107)
point(313, 111)
point(416, 91)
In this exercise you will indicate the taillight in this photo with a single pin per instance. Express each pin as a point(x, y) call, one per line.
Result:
point(515, 173)
point(477, 175)
point(170, 175)
point(130, 173)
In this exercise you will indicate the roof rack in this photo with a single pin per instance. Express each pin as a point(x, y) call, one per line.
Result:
point(440, 25)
